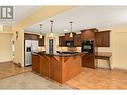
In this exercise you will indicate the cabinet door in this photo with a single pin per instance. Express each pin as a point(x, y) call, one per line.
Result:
point(44, 66)
point(28, 36)
point(56, 69)
point(67, 37)
point(36, 63)
point(77, 40)
point(88, 61)
point(102, 39)
point(88, 35)
point(61, 41)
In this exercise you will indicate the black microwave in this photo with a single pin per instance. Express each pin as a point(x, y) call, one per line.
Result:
point(69, 43)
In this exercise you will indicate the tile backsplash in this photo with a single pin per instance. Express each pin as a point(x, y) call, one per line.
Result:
point(62, 49)
point(76, 49)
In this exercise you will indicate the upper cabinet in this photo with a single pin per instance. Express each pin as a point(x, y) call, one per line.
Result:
point(62, 41)
point(67, 37)
point(102, 38)
point(28, 36)
point(77, 40)
point(41, 41)
point(88, 34)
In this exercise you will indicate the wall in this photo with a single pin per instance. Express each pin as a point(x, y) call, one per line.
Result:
point(119, 47)
point(19, 47)
point(5, 47)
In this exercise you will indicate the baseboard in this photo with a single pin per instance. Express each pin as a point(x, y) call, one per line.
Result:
point(120, 69)
point(6, 62)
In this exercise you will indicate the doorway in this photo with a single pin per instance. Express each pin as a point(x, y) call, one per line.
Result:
point(51, 49)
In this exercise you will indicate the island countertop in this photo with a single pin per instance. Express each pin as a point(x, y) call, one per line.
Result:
point(58, 54)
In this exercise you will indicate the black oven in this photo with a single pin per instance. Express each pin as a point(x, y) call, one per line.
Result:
point(88, 46)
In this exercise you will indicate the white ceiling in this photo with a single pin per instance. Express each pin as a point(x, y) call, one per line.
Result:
point(20, 12)
point(84, 17)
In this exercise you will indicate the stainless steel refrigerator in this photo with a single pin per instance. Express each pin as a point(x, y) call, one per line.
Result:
point(30, 47)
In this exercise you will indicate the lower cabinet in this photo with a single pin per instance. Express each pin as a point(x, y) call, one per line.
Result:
point(88, 60)
point(36, 63)
point(56, 70)
point(44, 66)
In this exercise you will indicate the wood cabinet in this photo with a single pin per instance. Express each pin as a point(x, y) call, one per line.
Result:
point(62, 41)
point(88, 34)
point(77, 40)
point(103, 38)
point(36, 63)
point(28, 36)
point(56, 69)
point(44, 66)
point(68, 38)
point(41, 41)
point(88, 60)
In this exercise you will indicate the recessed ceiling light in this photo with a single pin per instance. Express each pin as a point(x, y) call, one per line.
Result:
point(65, 30)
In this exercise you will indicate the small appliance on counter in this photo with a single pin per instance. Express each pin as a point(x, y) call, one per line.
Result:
point(88, 46)
point(31, 46)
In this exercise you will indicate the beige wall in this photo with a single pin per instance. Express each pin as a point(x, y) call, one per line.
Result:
point(5, 47)
point(120, 47)
point(19, 47)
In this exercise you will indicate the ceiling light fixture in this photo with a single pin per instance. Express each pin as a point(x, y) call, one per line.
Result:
point(40, 31)
point(71, 34)
point(51, 34)
point(65, 30)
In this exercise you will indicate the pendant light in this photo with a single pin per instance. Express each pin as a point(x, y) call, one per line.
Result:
point(71, 35)
point(51, 33)
point(40, 31)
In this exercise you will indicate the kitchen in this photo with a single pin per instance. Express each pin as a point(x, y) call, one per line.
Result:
point(78, 50)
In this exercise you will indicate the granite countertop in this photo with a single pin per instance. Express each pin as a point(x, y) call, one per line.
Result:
point(57, 54)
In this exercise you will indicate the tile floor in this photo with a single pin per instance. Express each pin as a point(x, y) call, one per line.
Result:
point(99, 79)
point(29, 80)
point(10, 69)
point(88, 79)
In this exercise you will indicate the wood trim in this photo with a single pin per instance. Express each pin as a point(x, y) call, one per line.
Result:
point(119, 69)
point(91, 29)
point(6, 62)
point(105, 31)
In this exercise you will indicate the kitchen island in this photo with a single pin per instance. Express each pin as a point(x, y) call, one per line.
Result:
point(58, 67)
